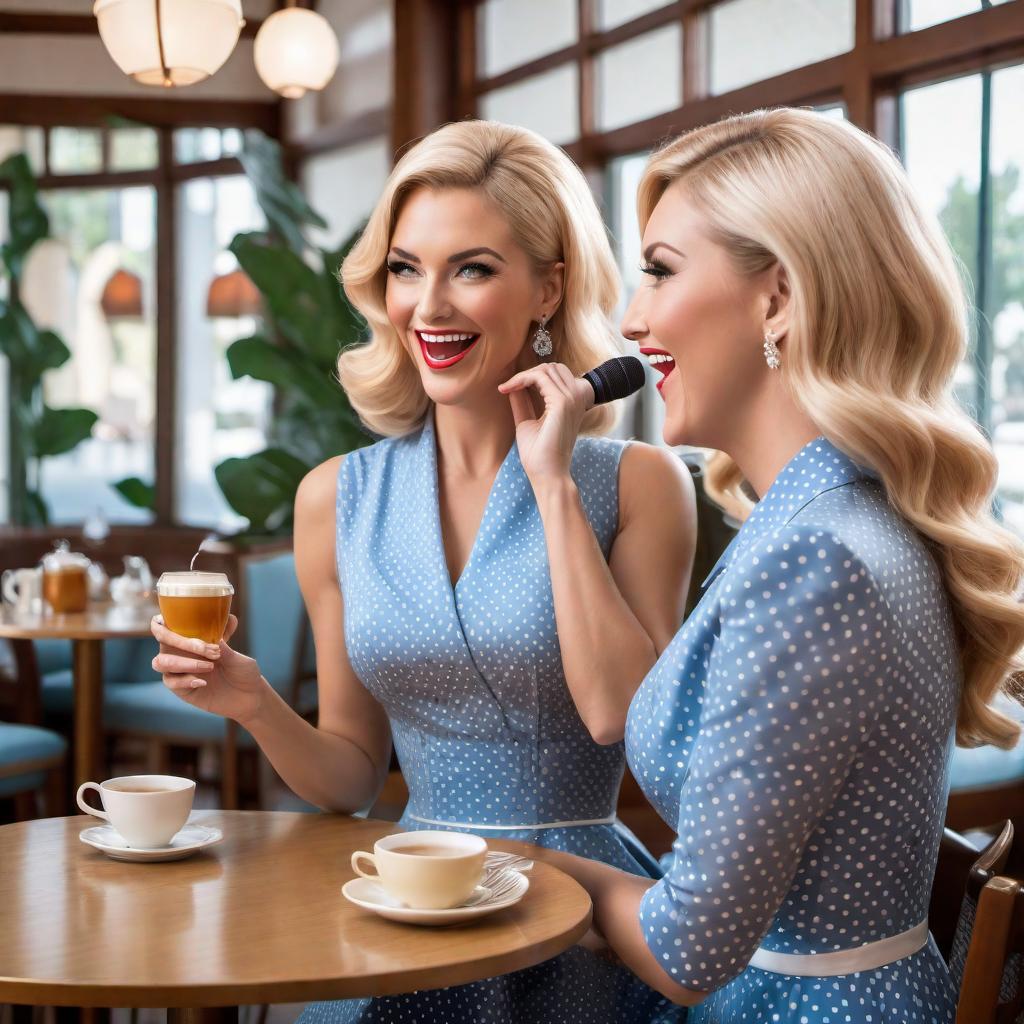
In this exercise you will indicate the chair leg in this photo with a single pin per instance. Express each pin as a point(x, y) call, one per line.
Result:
point(229, 768)
point(56, 793)
point(25, 806)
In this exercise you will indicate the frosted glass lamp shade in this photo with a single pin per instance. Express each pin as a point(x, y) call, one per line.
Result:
point(296, 50)
point(169, 42)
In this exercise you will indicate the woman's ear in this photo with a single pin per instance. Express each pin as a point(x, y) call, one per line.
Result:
point(552, 286)
point(778, 301)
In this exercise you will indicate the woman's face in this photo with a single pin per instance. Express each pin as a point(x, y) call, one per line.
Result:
point(701, 324)
point(463, 294)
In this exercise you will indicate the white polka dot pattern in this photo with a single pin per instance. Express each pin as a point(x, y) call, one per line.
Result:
point(796, 734)
point(483, 723)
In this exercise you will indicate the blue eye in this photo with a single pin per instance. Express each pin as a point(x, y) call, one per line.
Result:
point(479, 270)
point(398, 268)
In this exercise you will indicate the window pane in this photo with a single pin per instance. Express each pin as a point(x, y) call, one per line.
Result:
point(95, 233)
point(193, 145)
point(624, 176)
point(514, 33)
point(942, 152)
point(916, 14)
point(75, 151)
point(617, 12)
point(756, 39)
point(640, 78)
point(1007, 291)
point(133, 149)
point(16, 139)
point(217, 417)
point(837, 111)
point(548, 103)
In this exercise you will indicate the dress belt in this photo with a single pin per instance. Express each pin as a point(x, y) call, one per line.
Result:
point(610, 820)
point(868, 957)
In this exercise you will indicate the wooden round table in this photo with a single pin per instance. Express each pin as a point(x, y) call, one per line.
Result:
point(259, 918)
point(86, 630)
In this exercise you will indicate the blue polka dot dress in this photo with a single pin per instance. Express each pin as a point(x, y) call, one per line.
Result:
point(796, 734)
point(482, 720)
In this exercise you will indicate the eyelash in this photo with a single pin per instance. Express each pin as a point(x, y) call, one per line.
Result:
point(656, 270)
point(483, 271)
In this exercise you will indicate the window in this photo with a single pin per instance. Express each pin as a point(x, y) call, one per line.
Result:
point(16, 139)
point(76, 150)
point(640, 78)
point(917, 14)
point(516, 33)
point(548, 103)
point(195, 145)
point(133, 149)
point(95, 233)
point(965, 154)
point(611, 13)
point(217, 417)
point(756, 39)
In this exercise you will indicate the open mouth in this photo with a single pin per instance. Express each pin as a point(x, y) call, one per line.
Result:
point(443, 350)
point(661, 361)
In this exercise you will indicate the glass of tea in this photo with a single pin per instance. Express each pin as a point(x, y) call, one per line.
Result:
point(195, 604)
point(65, 579)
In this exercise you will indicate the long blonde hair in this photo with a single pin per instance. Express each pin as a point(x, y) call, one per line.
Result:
point(879, 326)
point(553, 216)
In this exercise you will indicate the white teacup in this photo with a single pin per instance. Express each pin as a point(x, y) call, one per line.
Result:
point(426, 870)
point(148, 810)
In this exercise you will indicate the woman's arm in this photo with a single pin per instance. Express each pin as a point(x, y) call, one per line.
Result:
point(614, 617)
point(339, 765)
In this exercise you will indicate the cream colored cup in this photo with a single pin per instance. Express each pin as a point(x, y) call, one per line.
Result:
point(426, 882)
point(148, 810)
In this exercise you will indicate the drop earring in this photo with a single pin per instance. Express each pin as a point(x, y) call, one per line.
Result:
point(771, 351)
point(542, 339)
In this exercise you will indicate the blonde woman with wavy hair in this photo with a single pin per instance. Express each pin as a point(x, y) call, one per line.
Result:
point(486, 589)
point(807, 317)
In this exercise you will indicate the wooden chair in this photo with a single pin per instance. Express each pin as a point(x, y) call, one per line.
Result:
point(986, 955)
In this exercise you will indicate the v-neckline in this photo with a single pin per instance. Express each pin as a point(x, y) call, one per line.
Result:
point(430, 430)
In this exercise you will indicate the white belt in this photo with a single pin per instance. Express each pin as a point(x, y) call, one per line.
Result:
point(515, 828)
point(868, 957)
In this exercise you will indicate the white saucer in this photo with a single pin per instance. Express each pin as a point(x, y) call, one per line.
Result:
point(370, 895)
point(189, 840)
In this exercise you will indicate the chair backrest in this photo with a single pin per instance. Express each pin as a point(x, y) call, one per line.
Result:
point(987, 958)
point(961, 869)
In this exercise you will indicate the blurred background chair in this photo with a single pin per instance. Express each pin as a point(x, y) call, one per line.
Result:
point(31, 767)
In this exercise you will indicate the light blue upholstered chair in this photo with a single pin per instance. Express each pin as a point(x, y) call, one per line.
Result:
point(986, 784)
point(271, 629)
point(31, 760)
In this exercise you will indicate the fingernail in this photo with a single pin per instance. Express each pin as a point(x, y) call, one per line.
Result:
point(196, 683)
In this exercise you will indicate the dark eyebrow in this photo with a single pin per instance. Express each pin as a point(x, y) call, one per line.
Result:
point(476, 252)
point(405, 255)
point(664, 245)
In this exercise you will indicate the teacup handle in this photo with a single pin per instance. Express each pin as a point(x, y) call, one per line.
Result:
point(80, 798)
point(358, 870)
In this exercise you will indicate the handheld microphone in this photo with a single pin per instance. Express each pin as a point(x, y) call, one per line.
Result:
point(616, 378)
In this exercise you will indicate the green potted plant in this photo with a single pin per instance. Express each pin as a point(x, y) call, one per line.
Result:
point(35, 430)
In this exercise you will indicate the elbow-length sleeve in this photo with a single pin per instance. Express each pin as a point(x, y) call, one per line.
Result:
point(795, 681)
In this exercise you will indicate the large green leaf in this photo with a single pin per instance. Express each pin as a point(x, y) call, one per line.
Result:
point(27, 222)
point(137, 492)
point(59, 430)
point(258, 358)
point(262, 487)
point(33, 351)
point(281, 200)
point(299, 298)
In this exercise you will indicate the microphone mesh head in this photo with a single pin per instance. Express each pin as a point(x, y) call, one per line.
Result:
point(616, 378)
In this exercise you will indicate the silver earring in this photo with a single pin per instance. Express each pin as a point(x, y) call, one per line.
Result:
point(771, 351)
point(542, 339)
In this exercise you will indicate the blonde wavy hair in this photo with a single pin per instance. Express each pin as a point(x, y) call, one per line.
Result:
point(553, 216)
point(878, 328)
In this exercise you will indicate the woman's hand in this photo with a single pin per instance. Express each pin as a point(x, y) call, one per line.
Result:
point(211, 676)
point(546, 443)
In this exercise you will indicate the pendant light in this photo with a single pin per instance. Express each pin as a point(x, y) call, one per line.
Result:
point(295, 51)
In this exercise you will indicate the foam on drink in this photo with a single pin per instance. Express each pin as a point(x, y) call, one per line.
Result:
point(195, 604)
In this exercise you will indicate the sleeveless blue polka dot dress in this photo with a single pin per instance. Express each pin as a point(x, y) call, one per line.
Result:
point(796, 734)
point(483, 723)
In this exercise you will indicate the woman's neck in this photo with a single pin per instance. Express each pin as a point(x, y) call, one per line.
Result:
point(474, 442)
